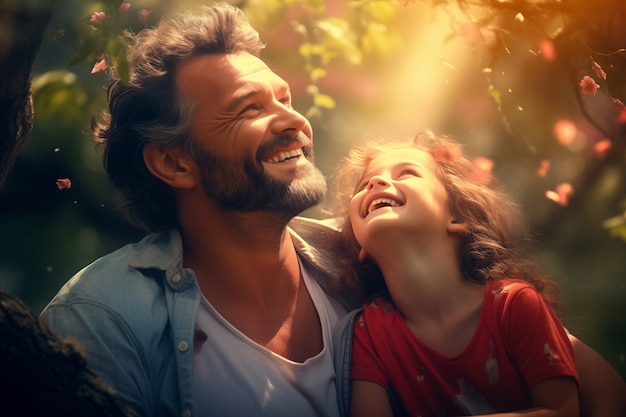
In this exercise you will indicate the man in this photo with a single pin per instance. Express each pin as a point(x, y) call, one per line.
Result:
point(222, 310)
point(225, 309)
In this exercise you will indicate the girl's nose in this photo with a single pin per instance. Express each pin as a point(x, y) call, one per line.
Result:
point(377, 180)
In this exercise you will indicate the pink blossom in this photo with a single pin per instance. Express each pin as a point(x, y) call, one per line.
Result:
point(602, 147)
point(99, 66)
point(620, 108)
point(447, 155)
point(490, 38)
point(64, 183)
point(565, 131)
point(481, 170)
point(544, 167)
point(98, 17)
point(561, 194)
point(548, 52)
point(123, 8)
point(598, 70)
point(143, 15)
point(589, 85)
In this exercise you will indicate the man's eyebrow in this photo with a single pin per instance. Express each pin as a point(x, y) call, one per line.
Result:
point(241, 98)
point(248, 93)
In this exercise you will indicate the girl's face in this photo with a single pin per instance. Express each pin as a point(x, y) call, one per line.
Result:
point(399, 196)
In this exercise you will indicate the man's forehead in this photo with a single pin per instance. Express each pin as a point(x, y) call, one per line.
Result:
point(223, 67)
point(222, 72)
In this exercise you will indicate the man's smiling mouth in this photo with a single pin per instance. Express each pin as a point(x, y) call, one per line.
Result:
point(284, 156)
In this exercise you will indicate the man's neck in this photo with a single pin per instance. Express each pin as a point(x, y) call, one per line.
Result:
point(253, 250)
point(248, 269)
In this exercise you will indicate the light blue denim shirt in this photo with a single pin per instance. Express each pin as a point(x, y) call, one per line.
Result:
point(133, 312)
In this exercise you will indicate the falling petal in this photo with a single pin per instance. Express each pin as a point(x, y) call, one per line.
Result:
point(547, 50)
point(565, 188)
point(447, 154)
point(553, 196)
point(98, 17)
point(602, 147)
point(481, 170)
point(123, 8)
point(620, 108)
point(99, 66)
point(143, 15)
point(565, 131)
point(544, 167)
point(561, 194)
point(64, 183)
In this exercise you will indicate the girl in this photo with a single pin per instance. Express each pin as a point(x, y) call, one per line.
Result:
point(459, 319)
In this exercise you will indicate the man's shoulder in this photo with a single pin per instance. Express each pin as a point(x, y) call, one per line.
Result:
point(315, 236)
point(316, 241)
point(307, 225)
point(120, 273)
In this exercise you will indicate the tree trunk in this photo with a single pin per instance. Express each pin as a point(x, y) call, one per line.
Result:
point(21, 34)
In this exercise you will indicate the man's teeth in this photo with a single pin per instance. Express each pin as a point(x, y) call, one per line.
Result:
point(382, 202)
point(285, 155)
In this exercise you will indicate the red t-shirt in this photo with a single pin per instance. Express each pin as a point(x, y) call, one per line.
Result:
point(518, 343)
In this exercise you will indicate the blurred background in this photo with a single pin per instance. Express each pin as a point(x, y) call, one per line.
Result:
point(504, 77)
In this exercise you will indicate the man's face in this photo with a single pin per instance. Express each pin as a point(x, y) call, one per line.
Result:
point(254, 152)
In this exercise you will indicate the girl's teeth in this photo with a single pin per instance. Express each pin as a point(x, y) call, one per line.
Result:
point(382, 202)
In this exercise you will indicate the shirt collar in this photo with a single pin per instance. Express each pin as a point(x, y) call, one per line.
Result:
point(162, 251)
point(314, 241)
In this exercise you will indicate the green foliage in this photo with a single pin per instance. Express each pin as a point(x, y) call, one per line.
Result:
point(58, 95)
point(109, 40)
point(617, 226)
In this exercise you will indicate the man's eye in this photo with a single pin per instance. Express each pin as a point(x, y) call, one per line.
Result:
point(250, 107)
point(286, 101)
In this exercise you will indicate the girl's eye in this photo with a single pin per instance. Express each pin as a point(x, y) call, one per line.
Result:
point(409, 173)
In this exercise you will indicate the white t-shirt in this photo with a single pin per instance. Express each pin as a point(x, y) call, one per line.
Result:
point(235, 376)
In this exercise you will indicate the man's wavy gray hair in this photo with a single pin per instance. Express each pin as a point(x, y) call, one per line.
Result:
point(150, 107)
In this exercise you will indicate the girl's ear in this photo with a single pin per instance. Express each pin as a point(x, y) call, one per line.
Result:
point(172, 165)
point(362, 255)
point(455, 227)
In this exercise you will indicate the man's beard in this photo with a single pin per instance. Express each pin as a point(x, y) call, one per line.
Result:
point(249, 188)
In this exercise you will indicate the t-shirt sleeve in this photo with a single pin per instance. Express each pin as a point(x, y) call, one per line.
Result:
point(366, 364)
point(538, 342)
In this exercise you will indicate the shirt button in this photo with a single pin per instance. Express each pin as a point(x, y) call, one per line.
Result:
point(183, 346)
point(176, 278)
point(187, 413)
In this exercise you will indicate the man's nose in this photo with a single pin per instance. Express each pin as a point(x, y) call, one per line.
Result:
point(289, 120)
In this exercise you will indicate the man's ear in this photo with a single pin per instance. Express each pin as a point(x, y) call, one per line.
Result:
point(172, 165)
point(455, 227)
